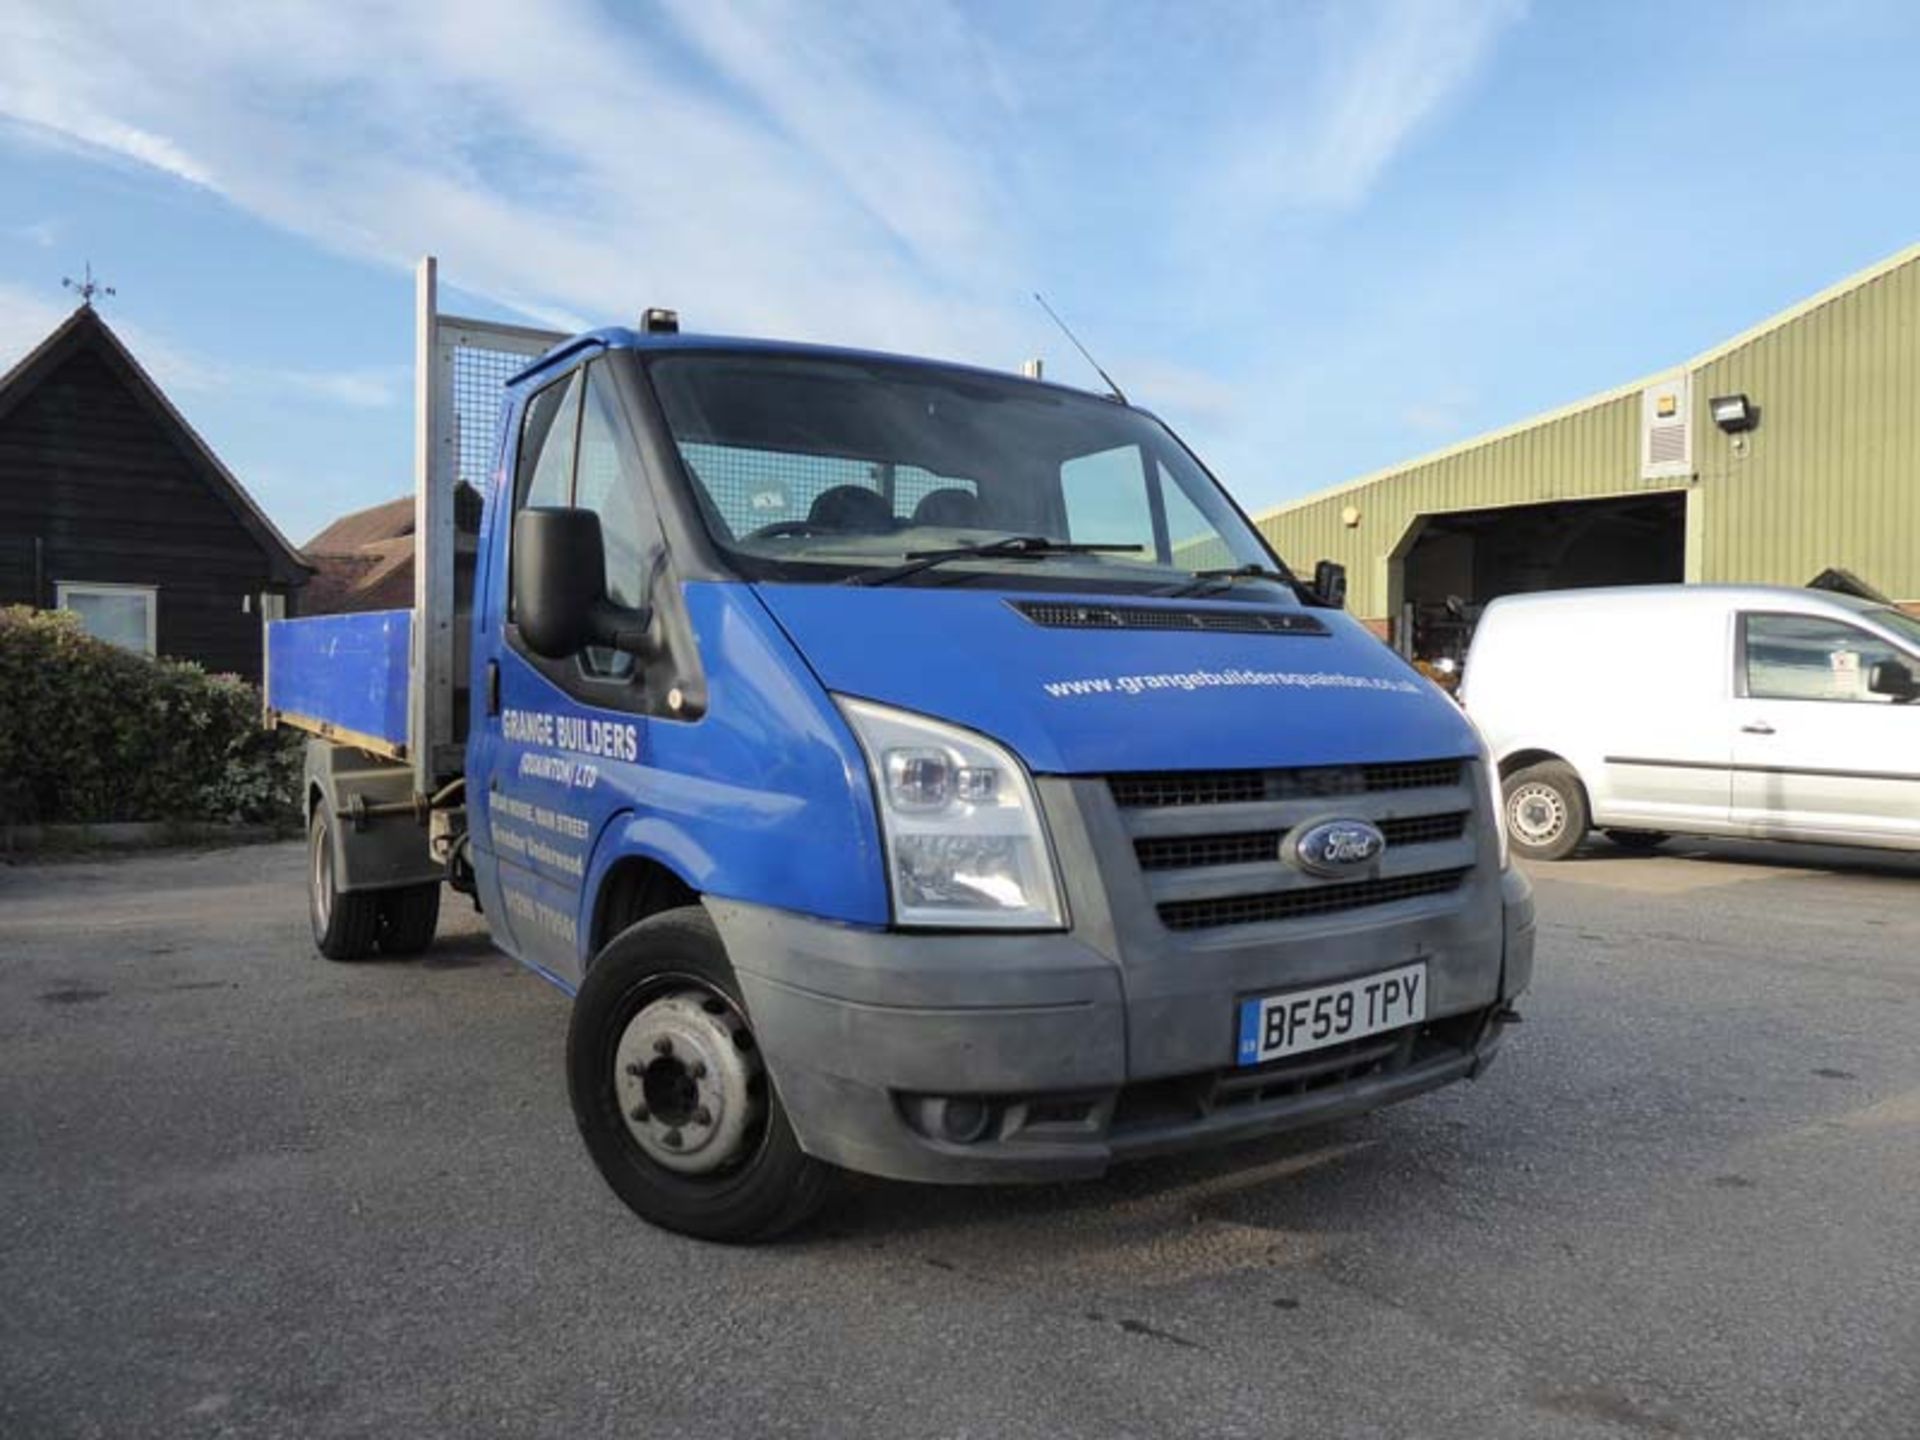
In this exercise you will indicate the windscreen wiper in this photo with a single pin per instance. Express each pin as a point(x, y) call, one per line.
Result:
point(1206, 582)
point(1018, 545)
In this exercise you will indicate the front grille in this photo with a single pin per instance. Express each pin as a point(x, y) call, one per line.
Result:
point(1300, 903)
point(1156, 790)
point(1067, 615)
point(1251, 847)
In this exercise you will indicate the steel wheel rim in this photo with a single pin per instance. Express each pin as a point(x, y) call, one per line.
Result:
point(689, 1081)
point(322, 878)
point(1536, 814)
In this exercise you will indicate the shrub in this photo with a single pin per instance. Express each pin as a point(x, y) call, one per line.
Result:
point(92, 734)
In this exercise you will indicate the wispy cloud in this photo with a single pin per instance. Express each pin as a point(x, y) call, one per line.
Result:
point(1390, 69)
point(27, 318)
point(879, 174)
point(42, 234)
point(861, 173)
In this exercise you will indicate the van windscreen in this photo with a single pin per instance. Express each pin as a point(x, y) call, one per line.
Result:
point(811, 468)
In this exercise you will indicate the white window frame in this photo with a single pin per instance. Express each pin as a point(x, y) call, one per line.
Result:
point(64, 588)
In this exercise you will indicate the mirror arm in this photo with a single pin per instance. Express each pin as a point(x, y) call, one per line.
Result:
point(626, 628)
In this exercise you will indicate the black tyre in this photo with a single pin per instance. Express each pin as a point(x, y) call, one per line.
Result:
point(345, 927)
point(408, 918)
point(1641, 842)
point(1546, 811)
point(672, 1099)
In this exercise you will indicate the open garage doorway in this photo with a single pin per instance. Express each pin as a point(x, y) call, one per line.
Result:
point(1454, 564)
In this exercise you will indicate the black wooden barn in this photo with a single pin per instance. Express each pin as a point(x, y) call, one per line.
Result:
point(111, 506)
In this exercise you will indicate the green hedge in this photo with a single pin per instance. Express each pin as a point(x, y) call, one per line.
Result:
point(91, 734)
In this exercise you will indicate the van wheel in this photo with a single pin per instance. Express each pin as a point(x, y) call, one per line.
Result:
point(345, 927)
point(1546, 810)
point(1641, 842)
point(670, 1092)
point(408, 918)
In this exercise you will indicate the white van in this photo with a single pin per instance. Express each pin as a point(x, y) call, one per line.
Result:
point(1701, 709)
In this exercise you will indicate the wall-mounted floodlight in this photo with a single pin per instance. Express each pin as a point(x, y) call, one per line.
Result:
point(1733, 413)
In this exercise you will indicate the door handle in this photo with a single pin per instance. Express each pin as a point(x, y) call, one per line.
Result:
point(493, 687)
point(1758, 727)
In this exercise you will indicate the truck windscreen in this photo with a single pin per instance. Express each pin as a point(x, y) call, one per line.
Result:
point(816, 469)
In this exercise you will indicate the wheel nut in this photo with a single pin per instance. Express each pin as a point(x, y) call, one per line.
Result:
point(636, 1070)
point(672, 1138)
point(663, 1046)
point(703, 1116)
point(638, 1115)
point(698, 1070)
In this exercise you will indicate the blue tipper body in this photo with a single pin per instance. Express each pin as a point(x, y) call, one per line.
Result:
point(346, 672)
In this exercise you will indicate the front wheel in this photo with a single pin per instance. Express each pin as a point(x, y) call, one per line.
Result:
point(671, 1095)
point(1546, 811)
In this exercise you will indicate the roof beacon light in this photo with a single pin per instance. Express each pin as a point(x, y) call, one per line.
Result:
point(660, 322)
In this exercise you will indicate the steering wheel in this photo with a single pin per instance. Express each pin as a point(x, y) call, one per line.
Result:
point(781, 528)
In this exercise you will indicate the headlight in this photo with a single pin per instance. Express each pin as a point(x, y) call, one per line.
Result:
point(964, 839)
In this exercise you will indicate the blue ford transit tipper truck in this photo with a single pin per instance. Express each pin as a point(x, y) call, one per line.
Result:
point(907, 768)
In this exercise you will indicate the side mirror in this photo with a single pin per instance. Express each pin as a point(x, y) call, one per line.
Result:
point(1890, 677)
point(1330, 583)
point(560, 587)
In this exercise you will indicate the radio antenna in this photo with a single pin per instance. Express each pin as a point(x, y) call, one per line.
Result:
point(1053, 314)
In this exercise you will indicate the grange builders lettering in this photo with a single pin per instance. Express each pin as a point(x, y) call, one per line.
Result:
point(602, 739)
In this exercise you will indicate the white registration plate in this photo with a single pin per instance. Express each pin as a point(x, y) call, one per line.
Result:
point(1301, 1020)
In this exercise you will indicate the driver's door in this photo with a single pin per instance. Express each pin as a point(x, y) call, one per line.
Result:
point(1817, 755)
point(568, 738)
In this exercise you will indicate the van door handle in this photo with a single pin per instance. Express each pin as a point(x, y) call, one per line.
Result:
point(1758, 727)
point(493, 687)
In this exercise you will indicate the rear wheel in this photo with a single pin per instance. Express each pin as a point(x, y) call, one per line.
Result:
point(671, 1095)
point(1641, 842)
point(1546, 810)
point(345, 926)
point(408, 918)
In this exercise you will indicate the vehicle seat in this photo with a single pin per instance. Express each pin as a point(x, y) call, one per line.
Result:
point(851, 507)
point(951, 508)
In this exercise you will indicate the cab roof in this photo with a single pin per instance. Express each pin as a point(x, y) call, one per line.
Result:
point(621, 337)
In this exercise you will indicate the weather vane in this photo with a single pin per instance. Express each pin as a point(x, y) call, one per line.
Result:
point(86, 288)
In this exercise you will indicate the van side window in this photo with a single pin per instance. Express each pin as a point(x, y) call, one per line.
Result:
point(547, 435)
point(608, 482)
point(1107, 502)
point(1802, 657)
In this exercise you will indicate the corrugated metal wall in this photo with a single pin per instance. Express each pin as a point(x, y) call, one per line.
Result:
point(1828, 478)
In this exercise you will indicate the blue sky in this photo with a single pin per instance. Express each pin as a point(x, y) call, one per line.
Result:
point(1317, 238)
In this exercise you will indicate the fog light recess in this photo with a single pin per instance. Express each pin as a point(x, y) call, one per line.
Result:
point(956, 1119)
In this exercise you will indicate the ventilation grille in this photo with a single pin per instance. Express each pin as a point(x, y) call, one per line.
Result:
point(1299, 904)
point(1251, 847)
point(1149, 789)
point(1064, 615)
point(1666, 439)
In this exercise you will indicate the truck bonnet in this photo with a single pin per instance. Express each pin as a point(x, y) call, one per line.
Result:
point(1089, 698)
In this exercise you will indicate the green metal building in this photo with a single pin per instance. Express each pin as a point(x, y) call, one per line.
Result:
point(1788, 451)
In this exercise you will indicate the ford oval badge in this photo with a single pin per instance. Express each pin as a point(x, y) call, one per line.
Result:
point(1335, 848)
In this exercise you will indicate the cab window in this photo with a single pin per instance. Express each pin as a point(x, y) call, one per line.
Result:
point(547, 438)
point(574, 453)
point(1802, 657)
point(607, 482)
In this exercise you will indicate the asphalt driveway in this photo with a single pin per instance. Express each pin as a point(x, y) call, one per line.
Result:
point(246, 1192)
